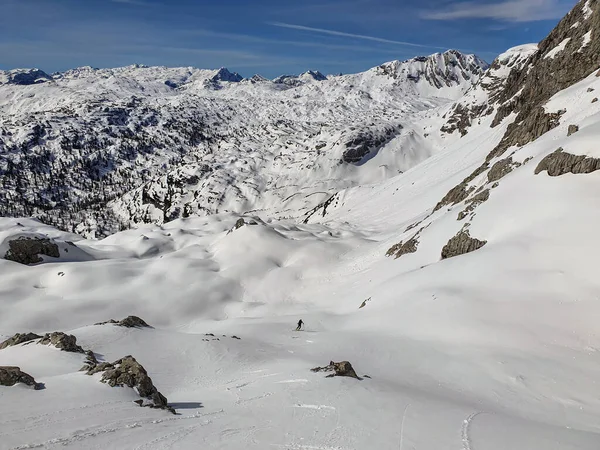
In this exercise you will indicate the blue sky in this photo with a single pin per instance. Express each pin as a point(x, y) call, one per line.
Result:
point(270, 37)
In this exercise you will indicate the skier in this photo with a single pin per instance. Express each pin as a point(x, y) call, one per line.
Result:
point(300, 323)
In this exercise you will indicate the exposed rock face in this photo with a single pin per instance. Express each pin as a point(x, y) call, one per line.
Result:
point(128, 322)
point(501, 169)
point(90, 361)
point(128, 372)
point(461, 244)
point(441, 69)
point(340, 369)
point(366, 142)
point(19, 338)
point(548, 72)
point(401, 248)
point(27, 250)
point(560, 162)
point(462, 118)
point(63, 341)
point(322, 206)
point(531, 83)
point(474, 202)
point(572, 130)
point(460, 192)
point(9, 376)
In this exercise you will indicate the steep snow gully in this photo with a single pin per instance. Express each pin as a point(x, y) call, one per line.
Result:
point(433, 222)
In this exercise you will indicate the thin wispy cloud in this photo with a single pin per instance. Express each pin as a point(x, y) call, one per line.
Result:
point(350, 35)
point(282, 42)
point(508, 10)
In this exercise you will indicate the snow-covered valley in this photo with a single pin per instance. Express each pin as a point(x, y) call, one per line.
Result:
point(463, 290)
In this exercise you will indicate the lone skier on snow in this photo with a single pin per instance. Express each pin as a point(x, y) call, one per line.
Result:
point(300, 323)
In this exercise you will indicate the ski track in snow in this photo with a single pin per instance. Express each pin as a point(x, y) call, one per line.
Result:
point(466, 438)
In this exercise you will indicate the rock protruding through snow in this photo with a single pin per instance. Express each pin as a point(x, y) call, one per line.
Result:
point(28, 250)
point(63, 341)
point(128, 322)
point(560, 162)
point(128, 372)
point(339, 369)
point(461, 244)
point(11, 375)
point(19, 338)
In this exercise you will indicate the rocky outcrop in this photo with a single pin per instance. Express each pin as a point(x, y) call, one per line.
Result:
point(128, 322)
point(366, 142)
point(322, 207)
point(501, 169)
point(474, 202)
point(461, 244)
point(403, 248)
point(462, 117)
point(19, 338)
point(10, 375)
point(339, 369)
point(560, 162)
point(461, 191)
point(549, 71)
point(27, 250)
point(63, 341)
point(128, 372)
point(572, 129)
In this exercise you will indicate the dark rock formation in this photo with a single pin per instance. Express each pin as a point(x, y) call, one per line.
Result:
point(403, 248)
point(340, 369)
point(461, 244)
point(366, 142)
point(572, 130)
point(560, 162)
point(128, 372)
point(462, 117)
point(322, 206)
point(128, 322)
point(26, 250)
point(595, 99)
point(364, 303)
point(63, 341)
point(474, 202)
point(90, 361)
point(19, 338)
point(501, 169)
point(9, 376)
point(460, 192)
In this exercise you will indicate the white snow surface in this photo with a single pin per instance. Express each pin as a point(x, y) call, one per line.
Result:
point(497, 349)
point(556, 50)
point(493, 350)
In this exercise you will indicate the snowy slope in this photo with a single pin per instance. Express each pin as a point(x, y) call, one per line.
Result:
point(491, 348)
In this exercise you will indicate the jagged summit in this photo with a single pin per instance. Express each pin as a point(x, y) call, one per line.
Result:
point(439, 69)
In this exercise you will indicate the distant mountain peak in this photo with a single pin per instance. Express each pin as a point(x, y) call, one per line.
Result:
point(223, 74)
point(24, 77)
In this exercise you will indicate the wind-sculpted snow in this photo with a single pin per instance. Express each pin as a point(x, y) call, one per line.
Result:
point(98, 150)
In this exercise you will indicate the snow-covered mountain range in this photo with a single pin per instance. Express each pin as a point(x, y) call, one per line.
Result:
point(95, 151)
point(432, 223)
